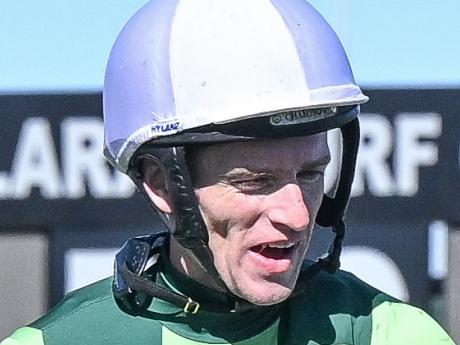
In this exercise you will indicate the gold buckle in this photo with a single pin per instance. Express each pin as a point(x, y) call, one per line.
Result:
point(191, 307)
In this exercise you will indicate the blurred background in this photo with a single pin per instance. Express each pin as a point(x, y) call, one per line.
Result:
point(64, 213)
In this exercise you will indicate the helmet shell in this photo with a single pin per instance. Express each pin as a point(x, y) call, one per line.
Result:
point(179, 65)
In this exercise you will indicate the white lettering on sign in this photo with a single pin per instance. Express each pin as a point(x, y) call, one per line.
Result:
point(390, 156)
point(412, 145)
point(372, 163)
point(389, 159)
point(35, 163)
point(81, 146)
point(413, 153)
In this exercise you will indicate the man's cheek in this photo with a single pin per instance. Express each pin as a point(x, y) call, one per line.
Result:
point(313, 198)
point(244, 214)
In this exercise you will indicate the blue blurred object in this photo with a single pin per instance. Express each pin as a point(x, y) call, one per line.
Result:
point(63, 46)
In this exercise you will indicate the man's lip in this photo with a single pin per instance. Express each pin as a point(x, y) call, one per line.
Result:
point(273, 265)
point(270, 265)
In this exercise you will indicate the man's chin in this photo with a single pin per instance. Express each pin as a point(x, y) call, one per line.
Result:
point(265, 296)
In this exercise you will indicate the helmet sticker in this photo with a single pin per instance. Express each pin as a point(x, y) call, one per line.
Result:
point(301, 116)
point(167, 127)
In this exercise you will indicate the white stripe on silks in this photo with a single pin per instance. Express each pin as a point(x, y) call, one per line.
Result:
point(230, 57)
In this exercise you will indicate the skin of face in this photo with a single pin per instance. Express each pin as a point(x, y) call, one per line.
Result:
point(257, 194)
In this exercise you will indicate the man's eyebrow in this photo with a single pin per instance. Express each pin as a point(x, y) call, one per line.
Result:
point(243, 173)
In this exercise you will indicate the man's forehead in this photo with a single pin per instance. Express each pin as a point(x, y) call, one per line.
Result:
point(262, 155)
point(265, 146)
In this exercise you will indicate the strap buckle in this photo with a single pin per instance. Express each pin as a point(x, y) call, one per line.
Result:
point(191, 307)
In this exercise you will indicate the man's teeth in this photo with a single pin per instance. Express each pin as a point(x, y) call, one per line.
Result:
point(281, 245)
point(277, 245)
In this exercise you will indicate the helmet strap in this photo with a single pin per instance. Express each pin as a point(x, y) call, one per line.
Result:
point(331, 212)
point(187, 226)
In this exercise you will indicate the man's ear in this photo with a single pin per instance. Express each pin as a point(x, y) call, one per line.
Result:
point(154, 182)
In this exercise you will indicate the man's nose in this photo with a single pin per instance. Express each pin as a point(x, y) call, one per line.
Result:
point(286, 206)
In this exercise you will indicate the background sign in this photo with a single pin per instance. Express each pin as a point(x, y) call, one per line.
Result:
point(53, 177)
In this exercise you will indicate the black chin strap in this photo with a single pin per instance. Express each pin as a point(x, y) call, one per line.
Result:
point(331, 212)
point(137, 265)
point(187, 225)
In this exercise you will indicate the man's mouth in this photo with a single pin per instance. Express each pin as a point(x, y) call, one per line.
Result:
point(274, 250)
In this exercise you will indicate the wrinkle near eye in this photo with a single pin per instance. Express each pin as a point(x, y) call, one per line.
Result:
point(247, 181)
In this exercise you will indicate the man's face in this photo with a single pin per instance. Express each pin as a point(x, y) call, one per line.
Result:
point(259, 201)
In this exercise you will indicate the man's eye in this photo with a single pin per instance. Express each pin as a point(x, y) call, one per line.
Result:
point(310, 175)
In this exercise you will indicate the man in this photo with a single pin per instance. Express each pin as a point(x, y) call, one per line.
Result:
point(218, 111)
